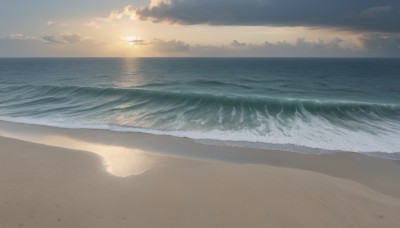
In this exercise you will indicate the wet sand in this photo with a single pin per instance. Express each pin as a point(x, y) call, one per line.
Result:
point(111, 179)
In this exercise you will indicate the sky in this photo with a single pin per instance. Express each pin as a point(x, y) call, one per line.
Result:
point(200, 28)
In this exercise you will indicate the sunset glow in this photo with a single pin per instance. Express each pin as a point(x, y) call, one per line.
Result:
point(191, 28)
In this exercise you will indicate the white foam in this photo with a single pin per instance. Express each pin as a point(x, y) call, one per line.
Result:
point(317, 133)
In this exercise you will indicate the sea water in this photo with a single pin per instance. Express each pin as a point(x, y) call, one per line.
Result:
point(294, 104)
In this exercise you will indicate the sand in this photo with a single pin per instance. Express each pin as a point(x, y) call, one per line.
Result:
point(112, 185)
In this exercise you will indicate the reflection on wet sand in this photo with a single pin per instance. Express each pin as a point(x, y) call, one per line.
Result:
point(118, 161)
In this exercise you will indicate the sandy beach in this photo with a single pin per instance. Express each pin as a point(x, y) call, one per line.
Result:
point(106, 183)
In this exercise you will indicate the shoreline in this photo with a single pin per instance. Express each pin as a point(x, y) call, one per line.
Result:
point(367, 170)
point(200, 137)
point(212, 142)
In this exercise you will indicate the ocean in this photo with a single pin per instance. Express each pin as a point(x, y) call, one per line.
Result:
point(296, 104)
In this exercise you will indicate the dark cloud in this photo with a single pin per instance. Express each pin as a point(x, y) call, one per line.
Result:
point(381, 44)
point(361, 15)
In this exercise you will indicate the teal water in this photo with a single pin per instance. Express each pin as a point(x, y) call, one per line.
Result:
point(294, 104)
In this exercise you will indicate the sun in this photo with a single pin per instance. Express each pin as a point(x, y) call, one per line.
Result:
point(130, 39)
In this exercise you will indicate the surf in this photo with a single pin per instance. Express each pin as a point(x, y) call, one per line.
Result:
point(271, 121)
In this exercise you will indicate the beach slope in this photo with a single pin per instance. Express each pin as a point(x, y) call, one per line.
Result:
point(44, 186)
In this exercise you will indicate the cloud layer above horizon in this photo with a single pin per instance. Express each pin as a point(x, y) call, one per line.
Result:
point(214, 28)
point(360, 15)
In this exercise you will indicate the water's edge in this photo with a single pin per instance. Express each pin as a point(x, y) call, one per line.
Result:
point(16, 129)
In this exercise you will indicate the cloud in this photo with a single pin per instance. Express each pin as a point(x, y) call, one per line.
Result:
point(319, 44)
point(18, 36)
point(366, 45)
point(360, 15)
point(132, 40)
point(138, 42)
point(113, 16)
point(169, 46)
point(117, 14)
point(301, 48)
point(55, 23)
point(72, 38)
point(93, 24)
point(381, 44)
point(50, 39)
point(159, 45)
point(236, 43)
point(66, 38)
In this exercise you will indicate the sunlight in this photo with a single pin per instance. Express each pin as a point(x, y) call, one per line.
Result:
point(131, 40)
point(117, 160)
